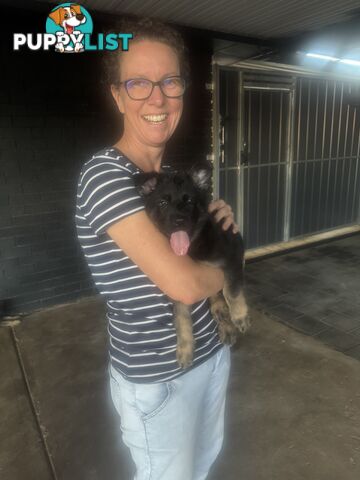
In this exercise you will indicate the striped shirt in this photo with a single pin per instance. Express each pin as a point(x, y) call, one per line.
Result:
point(142, 336)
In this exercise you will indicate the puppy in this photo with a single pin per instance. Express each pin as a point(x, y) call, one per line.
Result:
point(177, 202)
point(69, 18)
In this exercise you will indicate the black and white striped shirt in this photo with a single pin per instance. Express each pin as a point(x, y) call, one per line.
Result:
point(142, 337)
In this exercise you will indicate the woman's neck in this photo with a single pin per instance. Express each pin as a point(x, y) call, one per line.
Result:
point(146, 158)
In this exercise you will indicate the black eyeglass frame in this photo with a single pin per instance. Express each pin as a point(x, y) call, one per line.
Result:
point(154, 84)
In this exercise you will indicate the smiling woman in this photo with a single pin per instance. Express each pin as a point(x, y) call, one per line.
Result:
point(172, 419)
point(141, 93)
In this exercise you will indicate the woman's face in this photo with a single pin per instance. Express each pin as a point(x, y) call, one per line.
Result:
point(154, 61)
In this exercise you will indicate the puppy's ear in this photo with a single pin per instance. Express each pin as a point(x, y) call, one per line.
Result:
point(56, 15)
point(146, 182)
point(76, 7)
point(201, 173)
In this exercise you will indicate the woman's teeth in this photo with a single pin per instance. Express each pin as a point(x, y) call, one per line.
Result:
point(155, 118)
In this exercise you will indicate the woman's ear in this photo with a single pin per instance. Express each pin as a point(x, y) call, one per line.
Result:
point(115, 92)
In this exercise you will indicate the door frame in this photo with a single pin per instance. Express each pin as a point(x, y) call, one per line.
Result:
point(240, 145)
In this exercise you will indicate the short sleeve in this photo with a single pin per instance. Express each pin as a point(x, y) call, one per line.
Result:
point(106, 194)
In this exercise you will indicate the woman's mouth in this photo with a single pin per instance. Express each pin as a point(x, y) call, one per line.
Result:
point(155, 119)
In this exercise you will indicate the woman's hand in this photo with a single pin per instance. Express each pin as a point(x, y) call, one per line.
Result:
point(223, 211)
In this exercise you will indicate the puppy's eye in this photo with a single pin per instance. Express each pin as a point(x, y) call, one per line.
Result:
point(164, 200)
point(187, 199)
point(66, 15)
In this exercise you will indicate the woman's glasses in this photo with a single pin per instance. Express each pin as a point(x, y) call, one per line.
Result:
point(141, 88)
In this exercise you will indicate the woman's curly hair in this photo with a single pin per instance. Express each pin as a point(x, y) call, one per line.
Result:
point(145, 28)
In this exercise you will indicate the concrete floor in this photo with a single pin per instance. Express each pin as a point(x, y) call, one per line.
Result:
point(293, 405)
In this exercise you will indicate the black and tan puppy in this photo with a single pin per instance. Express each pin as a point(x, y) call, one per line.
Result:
point(177, 202)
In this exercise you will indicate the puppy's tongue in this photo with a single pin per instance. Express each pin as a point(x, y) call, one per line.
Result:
point(180, 242)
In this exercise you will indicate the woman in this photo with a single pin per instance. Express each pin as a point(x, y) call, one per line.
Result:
point(171, 419)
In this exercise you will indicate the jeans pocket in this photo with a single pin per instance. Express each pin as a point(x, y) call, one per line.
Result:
point(152, 398)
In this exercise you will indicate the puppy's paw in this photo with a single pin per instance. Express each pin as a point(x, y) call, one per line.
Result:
point(227, 333)
point(220, 311)
point(79, 47)
point(242, 323)
point(184, 354)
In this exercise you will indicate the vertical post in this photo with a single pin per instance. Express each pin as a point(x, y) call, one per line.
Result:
point(306, 157)
point(240, 144)
point(279, 162)
point(322, 153)
point(334, 200)
point(269, 166)
point(289, 162)
point(350, 167)
point(311, 228)
point(215, 127)
point(259, 162)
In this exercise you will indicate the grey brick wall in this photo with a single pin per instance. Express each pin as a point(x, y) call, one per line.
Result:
point(53, 115)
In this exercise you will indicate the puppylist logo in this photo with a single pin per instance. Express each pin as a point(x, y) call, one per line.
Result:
point(70, 23)
point(69, 28)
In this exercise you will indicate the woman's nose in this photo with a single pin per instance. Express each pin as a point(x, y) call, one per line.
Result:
point(157, 96)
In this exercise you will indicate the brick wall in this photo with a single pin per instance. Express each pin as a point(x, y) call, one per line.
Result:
point(53, 115)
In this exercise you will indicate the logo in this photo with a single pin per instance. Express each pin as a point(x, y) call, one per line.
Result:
point(69, 22)
point(69, 28)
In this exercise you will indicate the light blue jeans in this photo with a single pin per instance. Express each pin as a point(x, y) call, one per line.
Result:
point(174, 429)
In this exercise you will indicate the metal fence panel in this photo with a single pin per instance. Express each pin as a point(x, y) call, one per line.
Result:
point(325, 155)
point(288, 153)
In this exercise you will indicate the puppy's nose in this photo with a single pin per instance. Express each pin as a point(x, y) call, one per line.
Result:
point(179, 222)
point(79, 16)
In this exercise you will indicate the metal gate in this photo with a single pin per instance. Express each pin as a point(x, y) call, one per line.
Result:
point(326, 177)
point(288, 153)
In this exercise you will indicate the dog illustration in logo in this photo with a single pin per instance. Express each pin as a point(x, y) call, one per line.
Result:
point(68, 18)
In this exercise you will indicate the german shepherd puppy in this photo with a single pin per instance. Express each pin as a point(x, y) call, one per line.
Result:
point(177, 202)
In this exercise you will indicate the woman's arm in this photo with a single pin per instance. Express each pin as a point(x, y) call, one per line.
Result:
point(179, 277)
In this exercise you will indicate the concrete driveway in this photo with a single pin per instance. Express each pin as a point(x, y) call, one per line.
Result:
point(293, 405)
